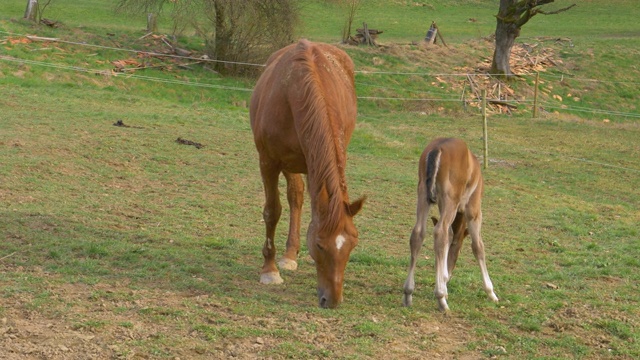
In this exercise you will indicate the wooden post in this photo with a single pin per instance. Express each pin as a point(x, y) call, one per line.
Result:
point(367, 36)
point(535, 96)
point(431, 33)
point(484, 128)
point(439, 33)
point(31, 13)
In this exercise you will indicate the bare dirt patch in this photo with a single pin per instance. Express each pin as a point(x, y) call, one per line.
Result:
point(54, 319)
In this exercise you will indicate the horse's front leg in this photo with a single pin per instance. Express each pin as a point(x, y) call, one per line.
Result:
point(271, 215)
point(475, 223)
point(295, 196)
point(459, 231)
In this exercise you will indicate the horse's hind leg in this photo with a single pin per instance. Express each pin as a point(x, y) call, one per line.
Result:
point(441, 245)
point(475, 222)
point(271, 215)
point(415, 243)
point(295, 196)
point(459, 228)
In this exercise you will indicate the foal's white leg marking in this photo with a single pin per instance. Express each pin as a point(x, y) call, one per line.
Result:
point(478, 251)
point(441, 244)
point(340, 241)
point(269, 243)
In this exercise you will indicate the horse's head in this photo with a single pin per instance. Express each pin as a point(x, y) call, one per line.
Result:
point(330, 251)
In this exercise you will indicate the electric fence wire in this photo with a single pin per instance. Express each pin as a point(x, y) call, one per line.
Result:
point(364, 72)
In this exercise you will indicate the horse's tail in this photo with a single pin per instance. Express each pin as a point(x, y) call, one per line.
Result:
point(433, 164)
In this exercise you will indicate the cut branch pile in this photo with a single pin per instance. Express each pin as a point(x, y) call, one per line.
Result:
point(526, 59)
point(160, 58)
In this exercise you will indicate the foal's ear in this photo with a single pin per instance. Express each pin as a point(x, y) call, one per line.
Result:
point(356, 206)
point(435, 220)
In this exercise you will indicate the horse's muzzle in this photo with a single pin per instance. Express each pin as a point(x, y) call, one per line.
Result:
point(327, 300)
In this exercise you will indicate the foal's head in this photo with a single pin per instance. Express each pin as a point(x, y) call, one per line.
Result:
point(330, 250)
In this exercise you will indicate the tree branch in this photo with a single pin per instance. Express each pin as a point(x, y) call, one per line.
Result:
point(557, 11)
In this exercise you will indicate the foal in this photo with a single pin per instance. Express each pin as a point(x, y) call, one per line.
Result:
point(449, 175)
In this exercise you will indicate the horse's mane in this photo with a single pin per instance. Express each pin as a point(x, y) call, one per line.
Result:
point(323, 131)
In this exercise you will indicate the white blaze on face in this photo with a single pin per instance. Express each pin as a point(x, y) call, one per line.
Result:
point(340, 241)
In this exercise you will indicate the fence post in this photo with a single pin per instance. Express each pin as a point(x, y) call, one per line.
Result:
point(535, 96)
point(484, 128)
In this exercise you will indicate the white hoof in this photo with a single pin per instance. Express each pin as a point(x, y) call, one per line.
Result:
point(493, 297)
point(271, 278)
point(442, 305)
point(287, 264)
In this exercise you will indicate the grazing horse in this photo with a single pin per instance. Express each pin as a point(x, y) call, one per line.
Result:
point(448, 175)
point(303, 111)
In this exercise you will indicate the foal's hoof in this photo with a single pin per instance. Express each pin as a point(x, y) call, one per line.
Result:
point(493, 297)
point(407, 300)
point(442, 305)
point(287, 264)
point(271, 278)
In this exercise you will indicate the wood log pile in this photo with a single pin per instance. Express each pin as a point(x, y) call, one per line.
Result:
point(365, 36)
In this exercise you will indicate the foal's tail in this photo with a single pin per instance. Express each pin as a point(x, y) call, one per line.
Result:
point(433, 164)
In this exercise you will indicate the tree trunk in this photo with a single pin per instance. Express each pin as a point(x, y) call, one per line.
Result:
point(512, 16)
point(506, 34)
point(31, 13)
point(152, 22)
point(222, 37)
point(507, 30)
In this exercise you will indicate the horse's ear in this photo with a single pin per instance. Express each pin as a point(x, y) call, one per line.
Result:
point(434, 219)
point(356, 206)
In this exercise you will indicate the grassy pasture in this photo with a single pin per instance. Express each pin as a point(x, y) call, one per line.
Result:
point(119, 242)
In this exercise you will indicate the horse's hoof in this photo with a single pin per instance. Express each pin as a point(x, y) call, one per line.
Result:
point(493, 297)
point(271, 278)
point(287, 264)
point(407, 300)
point(442, 305)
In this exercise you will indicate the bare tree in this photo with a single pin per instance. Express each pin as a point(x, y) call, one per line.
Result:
point(513, 14)
point(235, 31)
point(351, 6)
point(31, 13)
point(35, 9)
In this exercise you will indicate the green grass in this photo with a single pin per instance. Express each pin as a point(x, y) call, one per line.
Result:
point(113, 230)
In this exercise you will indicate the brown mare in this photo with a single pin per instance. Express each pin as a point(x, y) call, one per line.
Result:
point(449, 175)
point(303, 111)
